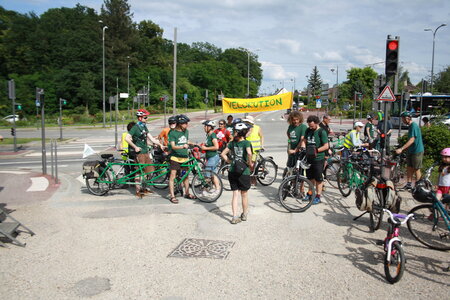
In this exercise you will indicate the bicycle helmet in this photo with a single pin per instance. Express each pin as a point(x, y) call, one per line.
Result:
point(142, 113)
point(241, 128)
point(369, 117)
point(237, 120)
point(405, 114)
point(422, 192)
point(445, 152)
point(210, 123)
point(182, 119)
point(172, 120)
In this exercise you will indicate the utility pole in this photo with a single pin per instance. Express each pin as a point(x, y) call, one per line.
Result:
point(174, 71)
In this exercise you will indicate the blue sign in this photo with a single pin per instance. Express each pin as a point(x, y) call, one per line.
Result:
point(38, 103)
point(185, 96)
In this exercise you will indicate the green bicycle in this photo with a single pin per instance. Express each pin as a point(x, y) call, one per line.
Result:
point(102, 177)
point(349, 177)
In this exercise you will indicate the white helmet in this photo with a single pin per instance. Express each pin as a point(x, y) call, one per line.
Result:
point(209, 123)
point(241, 126)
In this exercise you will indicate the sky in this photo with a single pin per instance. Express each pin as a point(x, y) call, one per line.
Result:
point(290, 37)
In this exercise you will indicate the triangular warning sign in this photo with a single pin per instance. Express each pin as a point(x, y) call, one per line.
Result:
point(386, 94)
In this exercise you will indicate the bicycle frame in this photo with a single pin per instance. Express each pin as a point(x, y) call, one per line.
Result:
point(393, 234)
point(437, 205)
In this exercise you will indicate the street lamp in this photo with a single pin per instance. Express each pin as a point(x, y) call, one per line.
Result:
point(128, 84)
point(248, 71)
point(432, 56)
point(104, 105)
point(337, 82)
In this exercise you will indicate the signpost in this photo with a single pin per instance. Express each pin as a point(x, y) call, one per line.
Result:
point(206, 102)
point(185, 97)
point(40, 97)
point(12, 96)
point(61, 103)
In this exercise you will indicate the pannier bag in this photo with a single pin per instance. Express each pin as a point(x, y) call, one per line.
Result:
point(393, 201)
point(91, 169)
point(365, 197)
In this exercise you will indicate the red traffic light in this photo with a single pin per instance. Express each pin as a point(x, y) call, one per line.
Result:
point(393, 45)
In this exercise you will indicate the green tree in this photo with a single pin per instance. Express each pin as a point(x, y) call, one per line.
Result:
point(442, 84)
point(315, 82)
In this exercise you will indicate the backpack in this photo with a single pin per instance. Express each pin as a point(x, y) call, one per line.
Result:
point(311, 147)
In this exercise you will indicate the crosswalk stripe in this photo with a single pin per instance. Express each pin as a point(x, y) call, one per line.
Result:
point(38, 184)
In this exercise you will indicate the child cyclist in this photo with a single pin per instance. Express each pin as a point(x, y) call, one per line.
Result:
point(178, 145)
point(241, 150)
point(444, 174)
point(210, 147)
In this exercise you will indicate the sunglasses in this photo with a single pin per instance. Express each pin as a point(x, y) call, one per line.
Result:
point(221, 123)
point(145, 118)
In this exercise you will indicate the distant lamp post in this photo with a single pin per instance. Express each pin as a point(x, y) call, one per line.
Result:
point(337, 82)
point(104, 105)
point(432, 56)
point(248, 71)
point(128, 76)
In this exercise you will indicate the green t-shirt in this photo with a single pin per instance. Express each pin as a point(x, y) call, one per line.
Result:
point(371, 130)
point(417, 146)
point(209, 143)
point(240, 150)
point(139, 136)
point(180, 138)
point(319, 137)
point(295, 133)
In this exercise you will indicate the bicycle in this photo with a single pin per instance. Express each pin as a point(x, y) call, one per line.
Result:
point(296, 192)
point(431, 225)
point(398, 170)
point(394, 257)
point(202, 183)
point(265, 171)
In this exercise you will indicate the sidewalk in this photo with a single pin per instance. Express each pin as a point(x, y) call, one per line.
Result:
point(118, 247)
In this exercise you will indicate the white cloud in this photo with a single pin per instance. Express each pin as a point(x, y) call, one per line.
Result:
point(276, 72)
point(328, 56)
point(291, 45)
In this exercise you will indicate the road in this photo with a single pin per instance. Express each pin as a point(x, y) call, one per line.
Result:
point(119, 247)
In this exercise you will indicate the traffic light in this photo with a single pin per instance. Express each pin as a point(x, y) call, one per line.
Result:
point(13, 131)
point(63, 101)
point(18, 106)
point(392, 53)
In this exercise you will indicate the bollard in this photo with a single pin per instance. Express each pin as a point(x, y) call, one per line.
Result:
point(56, 163)
point(51, 156)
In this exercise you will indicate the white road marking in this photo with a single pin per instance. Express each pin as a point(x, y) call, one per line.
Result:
point(38, 184)
point(81, 179)
point(14, 172)
point(36, 154)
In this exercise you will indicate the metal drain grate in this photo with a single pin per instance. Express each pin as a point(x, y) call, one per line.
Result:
point(203, 249)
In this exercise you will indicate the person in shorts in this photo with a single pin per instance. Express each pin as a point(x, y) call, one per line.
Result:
point(210, 147)
point(138, 138)
point(178, 145)
point(240, 149)
point(444, 175)
point(414, 156)
point(317, 136)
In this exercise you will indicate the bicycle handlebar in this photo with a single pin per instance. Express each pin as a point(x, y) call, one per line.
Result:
point(395, 218)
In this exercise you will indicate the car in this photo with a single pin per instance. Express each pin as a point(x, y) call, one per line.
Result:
point(11, 118)
point(444, 119)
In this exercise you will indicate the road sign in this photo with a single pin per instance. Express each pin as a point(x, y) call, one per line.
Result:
point(386, 95)
point(38, 103)
point(185, 97)
point(123, 95)
point(318, 103)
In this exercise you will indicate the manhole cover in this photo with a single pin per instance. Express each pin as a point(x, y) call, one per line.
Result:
point(203, 248)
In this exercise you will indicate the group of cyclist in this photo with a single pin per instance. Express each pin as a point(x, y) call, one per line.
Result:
point(239, 140)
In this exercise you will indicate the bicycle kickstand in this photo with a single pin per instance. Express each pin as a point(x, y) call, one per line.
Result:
point(356, 218)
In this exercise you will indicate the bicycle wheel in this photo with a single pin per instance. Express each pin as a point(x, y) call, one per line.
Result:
point(429, 227)
point(207, 186)
point(160, 178)
point(296, 193)
point(398, 176)
point(266, 172)
point(343, 181)
point(223, 174)
point(99, 188)
point(376, 214)
point(395, 268)
point(331, 174)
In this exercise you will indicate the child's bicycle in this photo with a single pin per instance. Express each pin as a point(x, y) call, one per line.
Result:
point(431, 224)
point(394, 257)
point(102, 177)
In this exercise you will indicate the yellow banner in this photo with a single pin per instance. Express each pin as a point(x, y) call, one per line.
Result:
point(276, 102)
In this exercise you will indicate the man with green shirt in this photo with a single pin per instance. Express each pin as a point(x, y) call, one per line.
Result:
point(295, 133)
point(369, 132)
point(414, 156)
point(316, 137)
point(138, 138)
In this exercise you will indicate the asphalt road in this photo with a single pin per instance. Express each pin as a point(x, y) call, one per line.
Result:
point(119, 247)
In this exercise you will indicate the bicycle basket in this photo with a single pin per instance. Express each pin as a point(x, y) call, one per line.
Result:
point(91, 169)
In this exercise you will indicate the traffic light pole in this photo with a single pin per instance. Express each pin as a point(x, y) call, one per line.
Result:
point(44, 152)
point(60, 120)
point(14, 123)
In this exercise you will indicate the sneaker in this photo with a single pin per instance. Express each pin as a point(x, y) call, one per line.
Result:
point(244, 217)
point(316, 201)
point(235, 220)
point(307, 198)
